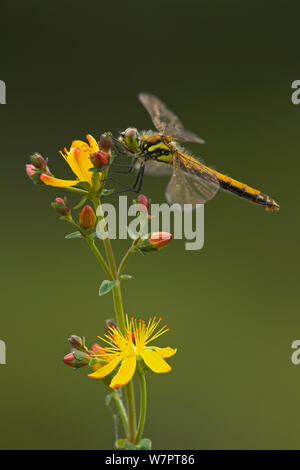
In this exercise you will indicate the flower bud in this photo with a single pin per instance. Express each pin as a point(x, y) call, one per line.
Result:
point(110, 323)
point(75, 341)
point(76, 359)
point(33, 173)
point(30, 170)
point(100, 159)
point(105, 142)
point(87, 218)
point(69, 359)
point(142, 199)
point(38, 161)
point(61, 206)
point(159, 240)
point(155, 242)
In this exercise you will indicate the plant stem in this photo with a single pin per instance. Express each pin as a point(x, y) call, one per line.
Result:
point(126, 257)
point(121, 409)
point(100, 258)
point(93, 247)
point(143, 409)
point(120, 318)
point(77, 191)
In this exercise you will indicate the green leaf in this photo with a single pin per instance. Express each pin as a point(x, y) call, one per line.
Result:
point(145, 444)
point(108, 399)
point(130, 446)
point(119, 444)
point(125, 277)
point(95, 170)
point(106, 286)
point(74, 235)
point(107, 192)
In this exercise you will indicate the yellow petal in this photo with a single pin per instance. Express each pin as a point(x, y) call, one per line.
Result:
point(155, 361)
point(79, 161)
point(164, 352)
point(51, 181)
point(94, 147)
point(125, 373)
point(107, 369)
point(80, 145)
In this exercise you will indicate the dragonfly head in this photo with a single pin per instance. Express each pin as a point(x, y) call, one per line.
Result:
point(131, 138)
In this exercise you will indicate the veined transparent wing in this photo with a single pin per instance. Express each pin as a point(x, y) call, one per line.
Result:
point(191, 184)
point(155, 168)
point(166, 121)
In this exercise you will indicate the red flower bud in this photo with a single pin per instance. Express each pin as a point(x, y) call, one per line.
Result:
point(87, 218)
point(155, 242)
point(76, 359)
point(105, 142)
point(159, 240)
point(61, 206)
point(100, 159)
point(143, 200)
point(33, 173)
point(30, 170)
point(38, 161)
point(69, 359)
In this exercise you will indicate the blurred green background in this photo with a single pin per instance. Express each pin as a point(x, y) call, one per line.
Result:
point(226, 68)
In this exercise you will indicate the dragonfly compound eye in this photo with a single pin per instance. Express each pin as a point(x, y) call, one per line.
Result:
point(132, 138)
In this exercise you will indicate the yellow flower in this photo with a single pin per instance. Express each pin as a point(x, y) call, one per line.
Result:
point(78, 158)
point(127, 348)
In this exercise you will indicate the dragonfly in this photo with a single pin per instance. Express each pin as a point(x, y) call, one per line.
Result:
point(160, 153)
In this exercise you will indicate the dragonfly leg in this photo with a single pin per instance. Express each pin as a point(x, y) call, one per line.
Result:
point(136, 186)
point(128, 170)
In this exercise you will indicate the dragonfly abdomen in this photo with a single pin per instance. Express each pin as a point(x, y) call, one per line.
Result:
point(245, 191)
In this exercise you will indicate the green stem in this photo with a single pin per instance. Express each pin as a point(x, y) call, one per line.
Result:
point(120, 318)
point(100, 258)
point(93, 247)
point(77, 191)
point(121, 409)
point(126, 257)
point(143, 407)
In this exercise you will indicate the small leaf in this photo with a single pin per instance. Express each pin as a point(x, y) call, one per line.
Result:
point(106, 286)
point(107, 192)
point(130, 446)
point(74, 235)
point(96, 170)
point(108, 399)
point(93, 234)
point(145, 444)
point(119, 444)
point(125, 277)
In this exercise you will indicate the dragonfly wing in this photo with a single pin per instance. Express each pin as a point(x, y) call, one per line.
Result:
point(191, 186)
point(166, 121)
point(158, 169)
